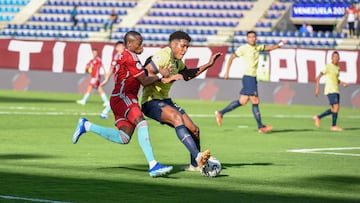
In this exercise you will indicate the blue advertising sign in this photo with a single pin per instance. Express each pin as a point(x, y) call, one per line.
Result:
point(318, 10)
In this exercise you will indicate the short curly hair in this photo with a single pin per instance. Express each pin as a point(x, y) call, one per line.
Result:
point(179, 35)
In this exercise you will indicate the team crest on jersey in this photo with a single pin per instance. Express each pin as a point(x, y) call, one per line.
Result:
point(134, 101)
point(139, 66)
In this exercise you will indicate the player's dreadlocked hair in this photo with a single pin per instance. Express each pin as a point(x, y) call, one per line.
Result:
point(179, 35)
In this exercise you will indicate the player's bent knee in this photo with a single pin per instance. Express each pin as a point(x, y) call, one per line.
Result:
point(124, 138)
point(176, 119)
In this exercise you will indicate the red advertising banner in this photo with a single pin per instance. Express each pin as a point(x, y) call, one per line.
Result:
point(287, 64)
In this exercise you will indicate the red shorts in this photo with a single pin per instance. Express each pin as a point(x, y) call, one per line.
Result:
point(125, 110)
point(95, 82)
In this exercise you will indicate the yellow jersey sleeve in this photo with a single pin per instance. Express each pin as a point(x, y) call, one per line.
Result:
point(250, 57)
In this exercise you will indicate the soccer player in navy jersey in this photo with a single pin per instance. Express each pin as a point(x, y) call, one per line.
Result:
point(250, 55)
point(129, 74)
point(331, 72)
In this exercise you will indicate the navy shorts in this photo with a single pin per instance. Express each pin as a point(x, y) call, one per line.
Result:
point(334, 98)
point(249, 86)
point(152, 109)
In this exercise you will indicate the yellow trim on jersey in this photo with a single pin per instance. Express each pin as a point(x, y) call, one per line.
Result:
point(158, 90)
point(250, 57)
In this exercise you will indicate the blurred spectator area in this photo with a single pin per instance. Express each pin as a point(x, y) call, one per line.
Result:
point(209, 22)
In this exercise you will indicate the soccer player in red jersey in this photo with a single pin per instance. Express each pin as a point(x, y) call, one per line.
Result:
point(129, 74)
point(93, 67)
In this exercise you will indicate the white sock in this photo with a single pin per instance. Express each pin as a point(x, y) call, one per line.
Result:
point(152, 164)
point(87, 125)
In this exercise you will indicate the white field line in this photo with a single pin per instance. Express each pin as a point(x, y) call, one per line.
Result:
point(21, 110)
point(326, 151)
point(30, 199)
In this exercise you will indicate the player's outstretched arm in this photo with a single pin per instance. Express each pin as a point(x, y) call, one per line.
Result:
point(276, 46)
point(189, 74)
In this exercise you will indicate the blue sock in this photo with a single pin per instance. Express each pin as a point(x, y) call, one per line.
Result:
point(111, 134)
point(185, 137)
point(144, 140)
point(334, 118)
point(326, 113)
point(104, 98)
point(233, 105)
point(192, 160)
point(257, 116)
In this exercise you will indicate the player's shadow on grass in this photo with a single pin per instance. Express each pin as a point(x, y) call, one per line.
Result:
point(350, 129)
point(143, 168)
point(291, 130)
point(230, 165)
point(24, 156)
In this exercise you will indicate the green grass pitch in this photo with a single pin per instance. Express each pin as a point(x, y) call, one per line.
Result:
point(39, 163)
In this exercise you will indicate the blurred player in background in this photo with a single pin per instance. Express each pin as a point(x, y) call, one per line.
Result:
point(93, 68)
point(129, 74)
point(331, 90)
point(119, 48)
point(157, 104)
point(250, 55)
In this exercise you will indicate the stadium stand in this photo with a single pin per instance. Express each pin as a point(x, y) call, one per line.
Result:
point(210, 22)
point(9, 8)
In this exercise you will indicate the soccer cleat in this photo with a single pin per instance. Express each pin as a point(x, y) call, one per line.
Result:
point(104, 116)
point(316, 121)
point(218, 118)
point(80, 129)
point(159, 170)
point(335, 128)
point(82, 102)
point(265, 129)
point(202, 158)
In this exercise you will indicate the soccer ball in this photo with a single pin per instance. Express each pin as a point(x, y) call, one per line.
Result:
point(212, 168)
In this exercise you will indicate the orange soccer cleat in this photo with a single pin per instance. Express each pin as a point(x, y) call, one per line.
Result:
point(218, 118)
point(335, 128)
point(316, 121)
point(265, 129)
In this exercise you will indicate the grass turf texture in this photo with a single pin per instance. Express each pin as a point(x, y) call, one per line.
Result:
point(38, 159)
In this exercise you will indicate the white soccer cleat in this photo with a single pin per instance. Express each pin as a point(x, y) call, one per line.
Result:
point(82, 102)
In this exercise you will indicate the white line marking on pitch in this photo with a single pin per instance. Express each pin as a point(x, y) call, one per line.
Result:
point(321, 151)
point(52, 112)
point(74, 113)
point(30, 199)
